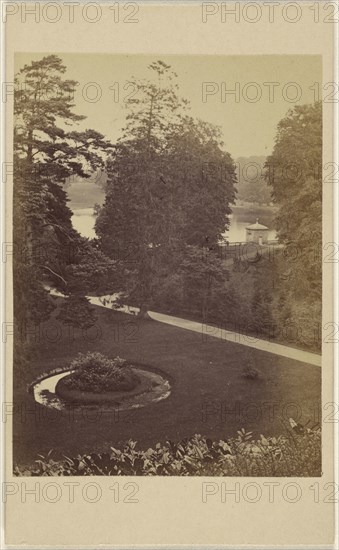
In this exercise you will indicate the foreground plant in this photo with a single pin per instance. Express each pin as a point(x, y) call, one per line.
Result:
point(293, 454)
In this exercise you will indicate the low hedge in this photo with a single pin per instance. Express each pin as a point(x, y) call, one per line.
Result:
point(293, 454)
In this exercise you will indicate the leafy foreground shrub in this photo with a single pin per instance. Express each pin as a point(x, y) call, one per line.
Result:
point(291, 455)
point(96, 373)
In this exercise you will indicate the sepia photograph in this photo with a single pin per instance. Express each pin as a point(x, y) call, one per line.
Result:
point(167, 265)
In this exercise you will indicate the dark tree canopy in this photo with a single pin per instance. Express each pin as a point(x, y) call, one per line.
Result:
point(170, 184)
point(294, 172)
point(48, 149)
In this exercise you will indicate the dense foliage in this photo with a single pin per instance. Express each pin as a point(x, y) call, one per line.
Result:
point(278, 294)
point(293, 454)
point(250, 297)
point(93, 372)
point(294, 171)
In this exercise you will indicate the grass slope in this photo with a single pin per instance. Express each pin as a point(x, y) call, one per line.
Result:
point(205, 375)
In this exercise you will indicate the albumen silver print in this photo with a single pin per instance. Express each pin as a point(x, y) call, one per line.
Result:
point(165, 265)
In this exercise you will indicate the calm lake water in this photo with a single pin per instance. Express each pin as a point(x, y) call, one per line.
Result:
point(243, 216)
point(83, 221)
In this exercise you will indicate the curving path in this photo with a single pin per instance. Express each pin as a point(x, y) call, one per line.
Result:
point(227, 335)
point(237, 338)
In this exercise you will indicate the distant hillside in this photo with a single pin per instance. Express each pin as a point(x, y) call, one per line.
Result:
point(85, 193)
point(251, 186)
point(255, 159)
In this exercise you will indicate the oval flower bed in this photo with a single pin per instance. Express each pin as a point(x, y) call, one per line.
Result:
point(94, 379)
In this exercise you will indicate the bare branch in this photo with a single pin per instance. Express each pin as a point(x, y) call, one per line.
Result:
point(56, 274)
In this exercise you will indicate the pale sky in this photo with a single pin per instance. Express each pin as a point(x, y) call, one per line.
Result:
point(248, 127)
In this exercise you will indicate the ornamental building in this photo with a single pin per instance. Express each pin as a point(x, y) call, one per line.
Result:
point(257, 233)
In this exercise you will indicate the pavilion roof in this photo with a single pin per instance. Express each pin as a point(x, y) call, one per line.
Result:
point(256, 225)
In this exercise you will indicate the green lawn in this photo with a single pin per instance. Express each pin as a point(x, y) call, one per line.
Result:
point(205, 375)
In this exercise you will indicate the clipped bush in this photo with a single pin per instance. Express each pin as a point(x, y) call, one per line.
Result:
point(96, 373)
point(250, 372)
point(293, 454)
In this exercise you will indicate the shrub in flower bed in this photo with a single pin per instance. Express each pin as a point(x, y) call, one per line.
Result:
point(286, 455)
point(93, 372)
